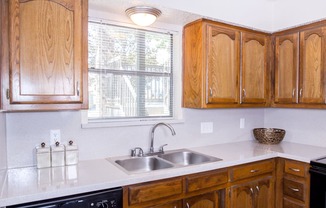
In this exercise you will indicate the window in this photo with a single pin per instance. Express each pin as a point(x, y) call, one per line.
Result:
point(130, 73)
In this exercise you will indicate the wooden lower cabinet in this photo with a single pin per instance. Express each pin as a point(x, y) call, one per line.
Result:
point(257, 194)
point(292, 184)
point(272, 183)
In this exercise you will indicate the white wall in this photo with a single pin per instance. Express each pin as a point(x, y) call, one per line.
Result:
point(306, 126)
point(26, 130)
point(240, 12)
point(3, 145)
point(250, 13)
point(289, 13)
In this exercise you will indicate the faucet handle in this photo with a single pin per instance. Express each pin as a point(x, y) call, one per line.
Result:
point(161, 149)
point(134, 152)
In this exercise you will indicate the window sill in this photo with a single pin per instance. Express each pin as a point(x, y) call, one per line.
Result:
point(110, 124)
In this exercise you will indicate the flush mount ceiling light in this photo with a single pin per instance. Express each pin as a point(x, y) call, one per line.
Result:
point(143, 15)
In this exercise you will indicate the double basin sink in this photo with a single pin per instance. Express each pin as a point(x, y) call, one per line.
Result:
point(169, 159)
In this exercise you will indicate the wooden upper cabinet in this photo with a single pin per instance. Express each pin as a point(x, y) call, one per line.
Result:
point(255, 77)
point(193, 66)
point(286, 68)
point(222, 65)
point(48, 54)
point(215, 65)
point(312, 66)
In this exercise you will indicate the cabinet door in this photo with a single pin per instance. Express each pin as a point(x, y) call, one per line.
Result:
point(222, 65)
point(265, 193)
point(312, 66)
point(209, 200)
point(286, 68)
point(242, 196)
point(254, 77)
point(1, 52)
point(46, 49)
point(175, 204)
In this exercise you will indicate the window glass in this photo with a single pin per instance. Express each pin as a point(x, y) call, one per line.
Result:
point(130, 73)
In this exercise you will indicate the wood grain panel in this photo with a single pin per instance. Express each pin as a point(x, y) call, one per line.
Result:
point(193, 70)
point(175, 204)
point(286, 68)
point(251, 170)
point(254, 80)
point(265, 193)
point(296, 168)
point(155, 190)
point(207, 180)
point(242, 196)
point(209, 200)
point(46, 52)
point(294, 189)
point(312, 70)
point(291, 204)
point(223, 65)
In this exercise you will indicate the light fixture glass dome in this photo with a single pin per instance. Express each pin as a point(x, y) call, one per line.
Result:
point(143, 15)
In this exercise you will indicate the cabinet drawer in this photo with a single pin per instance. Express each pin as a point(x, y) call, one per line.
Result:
point(295, 168)
point(294, 189)
point(252, 169)
point(154, 190)
point(290, 204)
point(206, 180)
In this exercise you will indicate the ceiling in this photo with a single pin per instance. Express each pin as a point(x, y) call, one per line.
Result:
point(118, 7)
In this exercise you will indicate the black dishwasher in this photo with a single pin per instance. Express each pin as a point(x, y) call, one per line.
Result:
point(110, 198)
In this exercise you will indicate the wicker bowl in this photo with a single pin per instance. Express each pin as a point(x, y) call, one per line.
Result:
point(269, 135)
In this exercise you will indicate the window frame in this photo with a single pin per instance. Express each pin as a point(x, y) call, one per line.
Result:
point(177, 117)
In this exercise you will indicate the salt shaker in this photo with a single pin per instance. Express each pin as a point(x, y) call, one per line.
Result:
point(71, 153)
point(43, 156)
point(58, 155)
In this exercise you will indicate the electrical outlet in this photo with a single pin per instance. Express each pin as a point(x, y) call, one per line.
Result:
point(242, 123)
point(55, 136)
point(206, 127)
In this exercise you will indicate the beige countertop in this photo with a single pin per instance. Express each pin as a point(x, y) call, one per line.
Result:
point(31, 184)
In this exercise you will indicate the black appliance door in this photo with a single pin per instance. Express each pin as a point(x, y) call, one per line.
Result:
point(111, 198)
point(317, 188)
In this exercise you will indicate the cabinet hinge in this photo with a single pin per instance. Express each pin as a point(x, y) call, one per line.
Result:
point(8, 94)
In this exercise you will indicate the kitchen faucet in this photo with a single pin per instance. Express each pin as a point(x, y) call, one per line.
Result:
point(151, 149)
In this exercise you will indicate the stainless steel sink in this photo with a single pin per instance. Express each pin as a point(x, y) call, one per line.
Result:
point(169, 159)
point(186, 157)
point(143, 164)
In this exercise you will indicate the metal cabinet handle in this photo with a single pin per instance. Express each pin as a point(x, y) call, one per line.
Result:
point(257, 187)
point(244, 93)
point(294, 189)
point(188, 206)
point(252, 191)
point(293, 92)
point(210, 92)
point(254, 171)
point(295, 169)
point(300, 92)
point(77, 87)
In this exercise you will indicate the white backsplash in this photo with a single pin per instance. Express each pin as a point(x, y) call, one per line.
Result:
point(3, 145)
point(305, 126)
point(26, 130)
